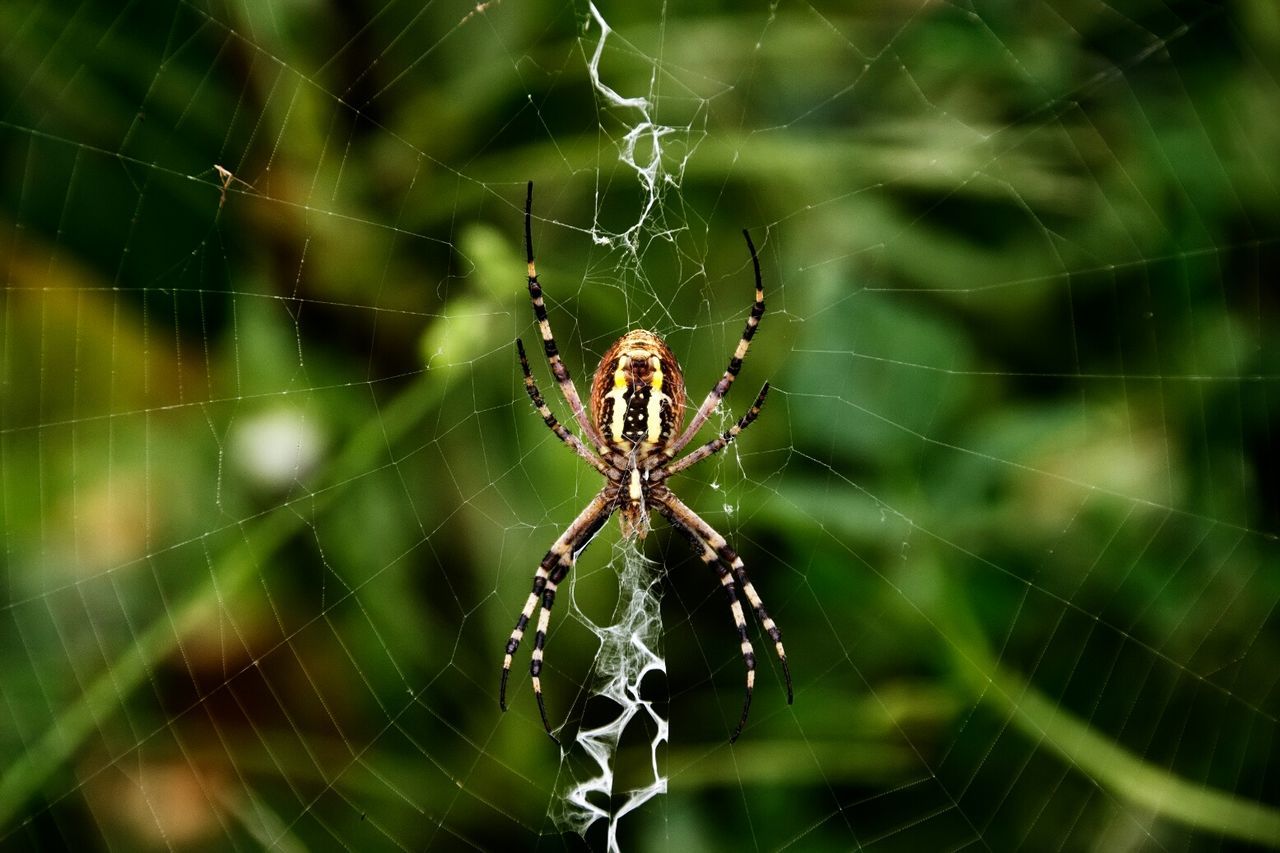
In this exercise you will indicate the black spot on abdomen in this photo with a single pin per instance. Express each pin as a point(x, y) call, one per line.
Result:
point(635, 422)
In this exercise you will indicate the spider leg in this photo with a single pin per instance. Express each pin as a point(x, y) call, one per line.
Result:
point(710, 557)
point(735, 362)
point(551, 572)
point(718, 443)
point(558, 368)
point(711, 544)
point(549, 419)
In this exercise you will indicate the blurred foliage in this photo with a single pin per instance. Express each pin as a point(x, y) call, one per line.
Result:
point(271, 492)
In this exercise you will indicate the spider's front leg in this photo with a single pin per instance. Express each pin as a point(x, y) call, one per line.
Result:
point(551, 572)
point(558, 368)
point(735, 361)
point(561, 432)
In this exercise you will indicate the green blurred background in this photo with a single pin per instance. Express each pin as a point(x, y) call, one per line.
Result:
point(272, 493)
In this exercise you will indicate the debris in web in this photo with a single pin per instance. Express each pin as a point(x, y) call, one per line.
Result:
point(225, 178)
point(630, 649)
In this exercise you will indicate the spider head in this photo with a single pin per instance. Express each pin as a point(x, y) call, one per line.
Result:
point(637, 395)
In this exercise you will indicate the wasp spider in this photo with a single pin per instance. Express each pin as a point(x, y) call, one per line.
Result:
point(634, 428)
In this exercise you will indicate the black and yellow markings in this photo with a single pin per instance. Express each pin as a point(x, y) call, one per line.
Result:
point(722, 387)
point(637, 410)
point(551, 572)
point(711, 557)
point(716, 551)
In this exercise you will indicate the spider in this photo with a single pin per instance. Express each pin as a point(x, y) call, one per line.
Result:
point(637, 404)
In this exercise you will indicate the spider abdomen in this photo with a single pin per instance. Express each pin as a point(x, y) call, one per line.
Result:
point(637, 395)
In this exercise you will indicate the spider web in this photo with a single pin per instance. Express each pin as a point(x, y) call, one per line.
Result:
point(272, 493)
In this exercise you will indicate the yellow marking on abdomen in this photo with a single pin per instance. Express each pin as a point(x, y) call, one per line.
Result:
point(653, 416)
point(619, 413)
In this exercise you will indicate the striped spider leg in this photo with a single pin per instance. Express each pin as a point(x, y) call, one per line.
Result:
point(550, 574)
point(715, 551)
point(558, 368)
point(735, 361)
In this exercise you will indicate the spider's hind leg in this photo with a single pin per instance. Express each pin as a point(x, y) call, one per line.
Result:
point(551, 572)
point(715, 551)
point(710, 557)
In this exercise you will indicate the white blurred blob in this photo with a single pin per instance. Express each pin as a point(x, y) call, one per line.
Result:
point(275, 448)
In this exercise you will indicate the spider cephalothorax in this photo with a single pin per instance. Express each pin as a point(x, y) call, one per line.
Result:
point(637, 408)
